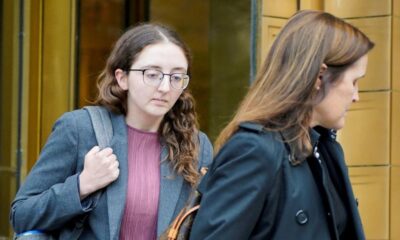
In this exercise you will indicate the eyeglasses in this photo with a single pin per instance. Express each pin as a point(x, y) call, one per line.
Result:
point(153, 77)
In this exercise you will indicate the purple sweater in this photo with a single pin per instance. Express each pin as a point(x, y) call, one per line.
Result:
point(141, 208)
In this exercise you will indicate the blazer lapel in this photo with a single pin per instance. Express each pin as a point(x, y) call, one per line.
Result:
point(116, 191)
point(171, 185)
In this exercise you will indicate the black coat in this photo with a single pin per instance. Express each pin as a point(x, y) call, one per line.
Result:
point(252, 191)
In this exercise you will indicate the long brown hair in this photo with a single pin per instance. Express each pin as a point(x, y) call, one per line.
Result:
point(179, 127)
point(283, 95)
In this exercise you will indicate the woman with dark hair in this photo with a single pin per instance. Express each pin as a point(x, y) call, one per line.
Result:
point(153, 161)
point(279, 172)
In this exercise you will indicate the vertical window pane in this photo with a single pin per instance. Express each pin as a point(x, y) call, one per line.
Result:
point(220, 44)
point(8, 109)
point(100, 24)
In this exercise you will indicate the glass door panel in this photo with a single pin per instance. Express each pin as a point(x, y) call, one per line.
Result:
point(8, 109)
point(98, 28)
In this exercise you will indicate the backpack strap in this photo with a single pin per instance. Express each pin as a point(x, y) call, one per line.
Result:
point(103, 130)
point(102, 126)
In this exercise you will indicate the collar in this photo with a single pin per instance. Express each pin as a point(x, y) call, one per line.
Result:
point(326, 132)
point(314, 137)
point(253, 126)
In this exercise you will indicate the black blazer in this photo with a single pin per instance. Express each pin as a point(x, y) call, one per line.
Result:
point(252, 191)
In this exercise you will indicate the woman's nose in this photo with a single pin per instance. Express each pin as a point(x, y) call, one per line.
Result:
point(164, 85)
point(356, 96)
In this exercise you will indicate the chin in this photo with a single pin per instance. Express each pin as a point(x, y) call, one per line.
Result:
point(338, 126)
point(158, 114)
point(335, 125)
point(158, 110)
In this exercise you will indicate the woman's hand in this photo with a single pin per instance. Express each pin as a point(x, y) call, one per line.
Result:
point(99, 170)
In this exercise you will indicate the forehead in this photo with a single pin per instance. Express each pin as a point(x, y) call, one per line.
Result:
point(359, 67)
point(163, 55)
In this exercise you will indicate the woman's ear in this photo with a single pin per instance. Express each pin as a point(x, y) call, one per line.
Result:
point(122, 78)
point(318, 84)
point(322, 70)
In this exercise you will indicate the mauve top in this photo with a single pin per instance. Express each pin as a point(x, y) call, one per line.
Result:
point(139, 220)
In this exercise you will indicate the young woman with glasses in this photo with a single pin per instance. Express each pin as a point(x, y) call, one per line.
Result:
point(153, 163)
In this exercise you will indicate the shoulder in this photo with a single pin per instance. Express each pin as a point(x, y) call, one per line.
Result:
point(68, 122)
point(253, 146)
point(204, 141)
point(81, 117)
point(252, 157)
point(69, 128)
point(79, 121)
point(205, 150)
point(75, 116)
point(254, 136)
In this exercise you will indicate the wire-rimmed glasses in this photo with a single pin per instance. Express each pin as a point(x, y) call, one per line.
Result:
point(154, 77)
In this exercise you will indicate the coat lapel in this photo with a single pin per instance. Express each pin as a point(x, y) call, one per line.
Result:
point(355, 216)
point(171, 185)
point(116, 191)
point(334, 150)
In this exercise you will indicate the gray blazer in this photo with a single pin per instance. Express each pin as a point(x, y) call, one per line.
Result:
point(49, 198)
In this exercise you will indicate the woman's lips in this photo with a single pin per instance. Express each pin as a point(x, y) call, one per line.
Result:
point(159, 101)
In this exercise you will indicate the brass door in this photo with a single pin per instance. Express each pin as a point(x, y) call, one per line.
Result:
point(9, 116)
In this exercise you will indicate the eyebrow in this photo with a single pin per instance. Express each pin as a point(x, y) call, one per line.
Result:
point(159, 68)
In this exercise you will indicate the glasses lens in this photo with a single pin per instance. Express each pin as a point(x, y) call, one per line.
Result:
point(179, 80)
point(152, 77)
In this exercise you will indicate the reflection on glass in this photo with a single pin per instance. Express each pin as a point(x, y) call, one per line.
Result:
point(218, 33)
point(229, 59)
point(98, 29)
point(100, 24)
point(195, 32)
point(8, 86)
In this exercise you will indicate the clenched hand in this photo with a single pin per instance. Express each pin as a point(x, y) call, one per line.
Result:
point(99, 170)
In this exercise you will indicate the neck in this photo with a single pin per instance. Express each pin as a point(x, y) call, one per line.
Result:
point(313, 122)
point(143, 123)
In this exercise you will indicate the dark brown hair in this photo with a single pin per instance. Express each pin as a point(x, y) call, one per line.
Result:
point(178, 129)
point(283, 95)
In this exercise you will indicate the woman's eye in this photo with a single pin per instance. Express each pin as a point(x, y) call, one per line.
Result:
point(176, 78)
point(152, 76)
